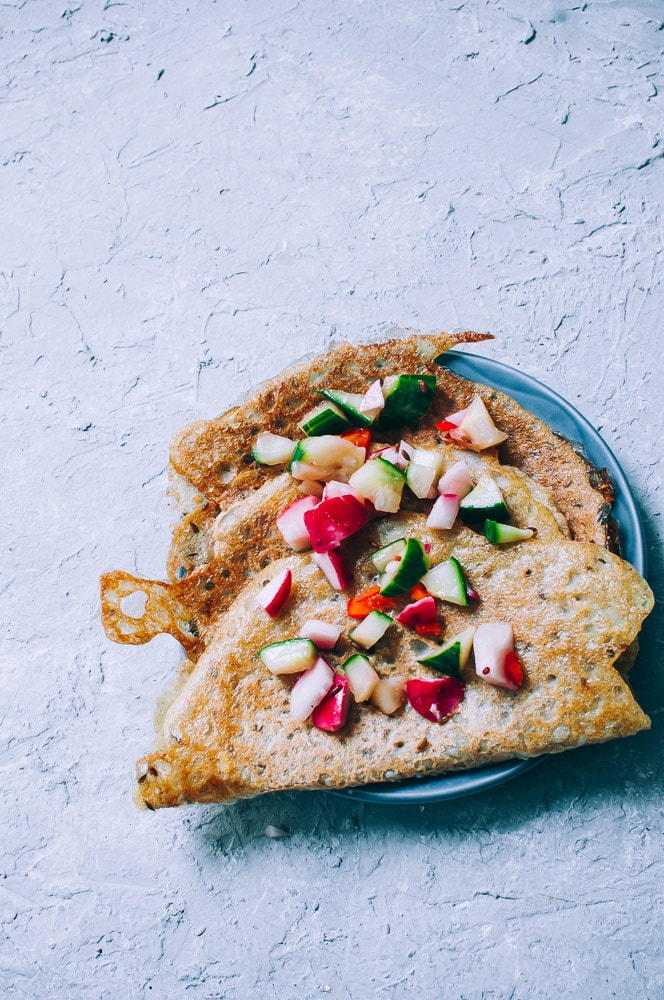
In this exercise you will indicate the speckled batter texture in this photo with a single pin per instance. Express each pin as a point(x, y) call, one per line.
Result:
point(194, 198)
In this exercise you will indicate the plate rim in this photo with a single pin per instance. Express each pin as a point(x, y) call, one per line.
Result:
point(418, 791)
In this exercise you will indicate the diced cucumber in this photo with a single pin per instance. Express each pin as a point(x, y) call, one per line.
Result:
point(381, 557)
point(381, 483)
point(412, 566)
point(362, 678)
point(371, 629)
point(452, 657)
point(423, 471)
point(446, 582)
point(326, 457)
point(292, 656)
point(504, 534)
point(349, 404)
point(324, 419)
point(407, 398)
point(272, 449)
point(485, 501)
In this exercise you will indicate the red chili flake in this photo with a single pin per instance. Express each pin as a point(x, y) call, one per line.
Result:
point(446, 426)
point(370, 600)
point(513, 669)
point(418, 592)
point(423, 386)
point(428, 628)
point(360, 438)
point(487, 670)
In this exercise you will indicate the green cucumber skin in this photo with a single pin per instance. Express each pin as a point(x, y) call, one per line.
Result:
point(256, 457)
point(473, 515)
point(325, 423)
point(406, 403)
point(414, 564)
point(310, 644)
point(385, 556)
point(460, 595)
point(354, 415)
point(447, 661)
point(503, 534)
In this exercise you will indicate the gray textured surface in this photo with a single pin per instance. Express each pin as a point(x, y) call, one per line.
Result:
point(191, 198)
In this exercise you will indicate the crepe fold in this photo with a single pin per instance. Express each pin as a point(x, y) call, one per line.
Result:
point(229, 734)
point(224, 730)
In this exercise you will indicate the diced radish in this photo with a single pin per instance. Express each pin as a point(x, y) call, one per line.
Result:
point(275, 594)
point(335, 489)
point(456, 418)
point(310, 689)
point(443, 513)
point(493, 647)
point(291, 523)
point(372, 401)
point(331, 521)
point(324, 634)
point(435, 700)
point(477, 430)
point(333, 567)
point(292, 656)
point(331, 713)
point(457, 480)
point(418, 613)
point(362, 678)
point(389, 694)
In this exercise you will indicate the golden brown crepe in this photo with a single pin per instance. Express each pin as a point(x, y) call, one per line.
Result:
point(229, 734)
point(575, 607)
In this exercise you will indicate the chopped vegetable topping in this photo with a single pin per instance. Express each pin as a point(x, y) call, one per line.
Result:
point(370, 600)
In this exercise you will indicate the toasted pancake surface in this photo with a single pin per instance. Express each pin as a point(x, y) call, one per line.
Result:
point(225, 730)
point(229, 733)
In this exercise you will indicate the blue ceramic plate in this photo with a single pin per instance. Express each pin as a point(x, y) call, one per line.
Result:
point(563, 418)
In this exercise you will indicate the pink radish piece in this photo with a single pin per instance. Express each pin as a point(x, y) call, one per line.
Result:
point(335, 489)
point(372, 401)
point(333, 520)
point(435, 700)
point(493, 646)
point(456, 480)
point(477, 430)
point(310, 689)
point(456, 418)
point(324, 634)
point(291, 523)
point(276, 593)
point(331, 713)
point(443, 513)
point(333, 567)
point(418, 613)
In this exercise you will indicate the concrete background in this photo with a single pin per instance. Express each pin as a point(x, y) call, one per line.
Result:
point(192, 197)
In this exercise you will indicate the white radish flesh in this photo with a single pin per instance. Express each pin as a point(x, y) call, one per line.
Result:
point(444, 512)
point(324, 634)
point(310, 689)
